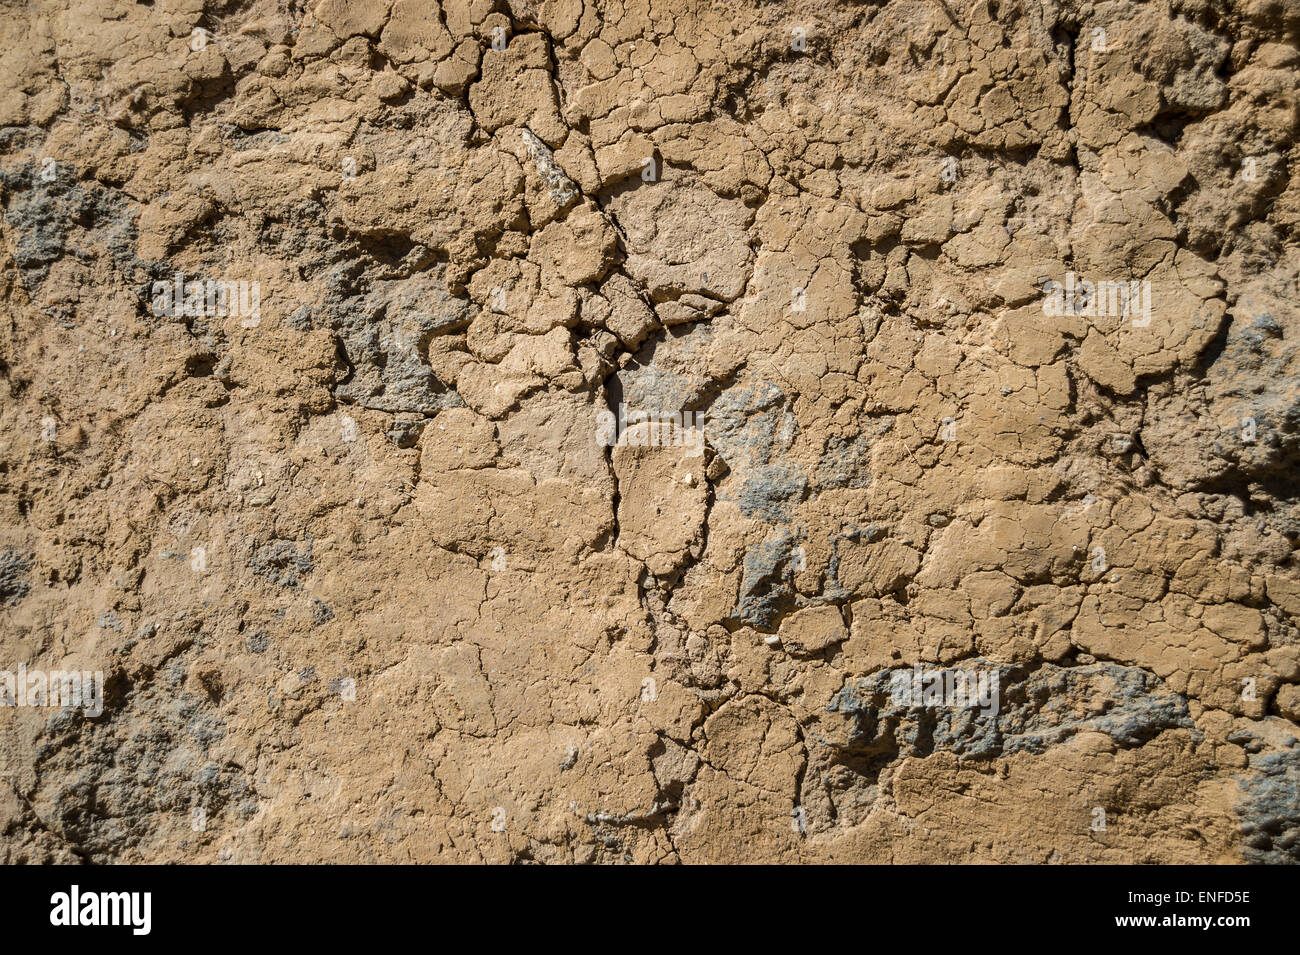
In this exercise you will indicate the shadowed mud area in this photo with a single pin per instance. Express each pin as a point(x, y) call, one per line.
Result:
point(650, 431)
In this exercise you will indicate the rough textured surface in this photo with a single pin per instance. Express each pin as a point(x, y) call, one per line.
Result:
point(371, 576)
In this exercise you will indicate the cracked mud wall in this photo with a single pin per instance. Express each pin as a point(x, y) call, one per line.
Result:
point(378, 563)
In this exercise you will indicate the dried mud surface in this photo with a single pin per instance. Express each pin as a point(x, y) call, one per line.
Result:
point(365, 585)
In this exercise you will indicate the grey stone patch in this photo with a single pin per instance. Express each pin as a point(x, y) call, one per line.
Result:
point(1257, 372)
point(1255, 331)
point(769, 492)
point(282, 564)
point(559, 186)
point(405, 434)
point(40, 216)
point(422, 304)
point(665, 375)
point(15, 138)
point(767, 586)
point(106, 785)
point(658, 390)
point(385, 335)
point(832, 589)
point(1037, 708)
point(384, 299)
point(321, 614)
point(306, 236)
point(14, 568)
point(257, 642)
point(239, 141)
point(1251, 373)
point(1270, 807)
point(300, 320)
point(109, 621)
point(48, 220)
point(844, 463)
point(751, 426)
